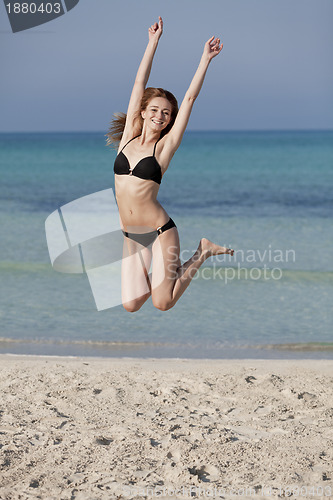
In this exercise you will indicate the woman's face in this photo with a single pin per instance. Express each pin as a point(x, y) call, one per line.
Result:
point(157, 114)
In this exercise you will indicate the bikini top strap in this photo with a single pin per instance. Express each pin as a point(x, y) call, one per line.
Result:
point(155, 146)
point(129, 142)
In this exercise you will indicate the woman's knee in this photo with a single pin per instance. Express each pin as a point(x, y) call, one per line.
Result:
point(132, 306)
point(163, 304)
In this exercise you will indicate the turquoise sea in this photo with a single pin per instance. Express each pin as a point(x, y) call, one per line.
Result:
point(268, 195)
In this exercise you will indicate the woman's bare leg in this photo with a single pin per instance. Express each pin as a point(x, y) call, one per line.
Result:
point(169, 278)
point(135, 282)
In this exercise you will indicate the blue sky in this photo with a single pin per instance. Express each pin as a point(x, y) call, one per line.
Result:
point(71, 74)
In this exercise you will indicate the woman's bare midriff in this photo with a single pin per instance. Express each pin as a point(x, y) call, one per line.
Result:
point(138, 205)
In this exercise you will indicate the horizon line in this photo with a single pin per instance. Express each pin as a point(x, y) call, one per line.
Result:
point(187, 131)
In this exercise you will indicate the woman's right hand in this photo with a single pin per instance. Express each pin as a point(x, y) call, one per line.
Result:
point(155, 31)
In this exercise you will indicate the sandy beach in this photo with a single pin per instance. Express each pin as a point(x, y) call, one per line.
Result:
point(104, 428)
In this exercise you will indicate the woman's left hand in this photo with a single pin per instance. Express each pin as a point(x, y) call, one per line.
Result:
point(213, 47)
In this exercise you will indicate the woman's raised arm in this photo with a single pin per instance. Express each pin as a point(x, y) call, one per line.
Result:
point(142, 76)
point(173, 139)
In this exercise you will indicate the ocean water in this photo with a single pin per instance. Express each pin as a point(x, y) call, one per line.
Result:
point(268, 195)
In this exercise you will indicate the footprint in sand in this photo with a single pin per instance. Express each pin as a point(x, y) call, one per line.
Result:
point(175, 455)
point(206, 473)
point(103, 440)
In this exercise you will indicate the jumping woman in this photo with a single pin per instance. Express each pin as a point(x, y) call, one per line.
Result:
point(148, 136)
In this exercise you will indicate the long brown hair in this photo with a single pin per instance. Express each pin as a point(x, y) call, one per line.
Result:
point(117, 124)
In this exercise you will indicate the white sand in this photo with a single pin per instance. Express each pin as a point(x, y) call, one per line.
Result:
point(89, 428)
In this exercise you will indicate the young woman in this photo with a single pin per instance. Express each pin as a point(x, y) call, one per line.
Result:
point(149, 135)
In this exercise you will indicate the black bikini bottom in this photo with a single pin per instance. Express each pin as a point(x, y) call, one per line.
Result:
point(147, 239)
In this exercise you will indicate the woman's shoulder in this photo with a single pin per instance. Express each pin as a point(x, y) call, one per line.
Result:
point(126, 138)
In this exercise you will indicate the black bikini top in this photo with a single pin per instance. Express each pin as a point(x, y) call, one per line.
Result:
point(147, 168)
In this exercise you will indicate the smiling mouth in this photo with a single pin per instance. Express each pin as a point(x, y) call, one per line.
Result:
point(157, 122)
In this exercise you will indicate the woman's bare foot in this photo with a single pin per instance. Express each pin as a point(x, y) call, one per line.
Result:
point(208, 249)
